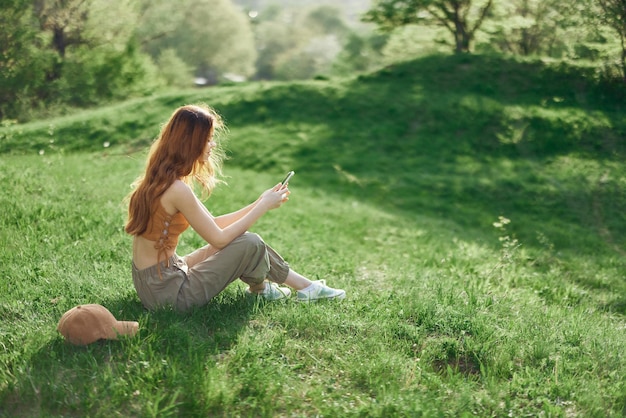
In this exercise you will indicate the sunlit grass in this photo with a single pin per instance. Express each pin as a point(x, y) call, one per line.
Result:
point(484, 266)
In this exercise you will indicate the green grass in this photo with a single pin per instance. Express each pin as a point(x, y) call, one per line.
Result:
point(400, 177)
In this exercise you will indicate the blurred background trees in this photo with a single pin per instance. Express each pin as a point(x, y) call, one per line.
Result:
point(68, 52)
point(462, 18)
point(212, 38)
point(612, 13)
point(592, 30)
point(60, 54)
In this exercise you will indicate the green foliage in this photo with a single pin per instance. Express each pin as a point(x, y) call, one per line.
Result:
point(22, 64)
point(462, 18)
point(84, 35)
point(69, 53)
point(212, 37)
point(390, 14)
point(579, 30)
point(614, 15)
point(174, 70)
point(548, 28)
point(412, 41)
point(304, 43)
point(92, 77)
point(472, 207)
point(360, 53)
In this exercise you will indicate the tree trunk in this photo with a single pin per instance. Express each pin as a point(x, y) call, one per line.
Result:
point(624, 58)
point(59, 40)
point(462, 38)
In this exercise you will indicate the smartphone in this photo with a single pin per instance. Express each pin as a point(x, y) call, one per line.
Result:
point(287, 178)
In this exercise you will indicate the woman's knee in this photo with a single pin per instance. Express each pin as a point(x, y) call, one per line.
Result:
point(253, 258)
point(251, 240)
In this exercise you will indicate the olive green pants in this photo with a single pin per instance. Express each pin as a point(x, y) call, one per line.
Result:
point(175, 284)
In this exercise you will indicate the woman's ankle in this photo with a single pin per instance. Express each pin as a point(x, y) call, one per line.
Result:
point(297, 281)
point(308, 288)
point(258, 287)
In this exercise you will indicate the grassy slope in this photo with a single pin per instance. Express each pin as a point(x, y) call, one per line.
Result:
point(403, 173)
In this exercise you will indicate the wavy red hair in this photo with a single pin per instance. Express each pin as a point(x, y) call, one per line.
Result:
point(176, 154)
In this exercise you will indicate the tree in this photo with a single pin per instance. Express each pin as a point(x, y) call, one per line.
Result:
point(298, 44)
point(614, 15)
point(462, 18)
point(65, 20)
point(538, 27)
point(274, 38)
point(412, 41)
point(320, 31)
point(175, 71)
point(211, 36)
point(524, 27)
point(360, 53)
point(92, 44)
point(22, 62)
point(77, 23)
point(67, 51)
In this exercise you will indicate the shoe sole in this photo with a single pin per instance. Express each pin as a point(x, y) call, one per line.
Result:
point(338, 297)
point(259, 295)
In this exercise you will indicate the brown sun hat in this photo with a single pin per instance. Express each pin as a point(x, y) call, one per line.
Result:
point(85, 324)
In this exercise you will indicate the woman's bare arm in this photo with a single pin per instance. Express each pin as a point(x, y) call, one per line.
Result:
point(224, 220)
point(182, 198)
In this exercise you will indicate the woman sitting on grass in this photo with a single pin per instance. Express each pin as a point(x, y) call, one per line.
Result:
point(163, 205)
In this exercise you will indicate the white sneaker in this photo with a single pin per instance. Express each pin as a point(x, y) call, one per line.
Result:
point(320, 291)
point(272, 292)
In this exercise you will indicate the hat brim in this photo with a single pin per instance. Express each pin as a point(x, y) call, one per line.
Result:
point(124, 328)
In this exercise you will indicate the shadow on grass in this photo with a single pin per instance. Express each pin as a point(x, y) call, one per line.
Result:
point(617, 306)
point(214, 327)
point(61, 378)
point(456, 102)
point(461, 138)
point(464, 139)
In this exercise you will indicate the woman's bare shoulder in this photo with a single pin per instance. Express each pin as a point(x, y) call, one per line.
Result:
point(179, 188)
point(178, 193)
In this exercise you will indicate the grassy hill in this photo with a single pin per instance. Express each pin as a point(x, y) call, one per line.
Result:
point(469, 138)
point(473, 208)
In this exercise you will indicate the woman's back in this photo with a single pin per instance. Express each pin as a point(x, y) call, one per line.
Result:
point(159, 242)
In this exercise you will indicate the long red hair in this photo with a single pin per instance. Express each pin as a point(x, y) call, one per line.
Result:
point(175, 154)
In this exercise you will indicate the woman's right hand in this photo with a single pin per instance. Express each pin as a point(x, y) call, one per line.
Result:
point(274, 198)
